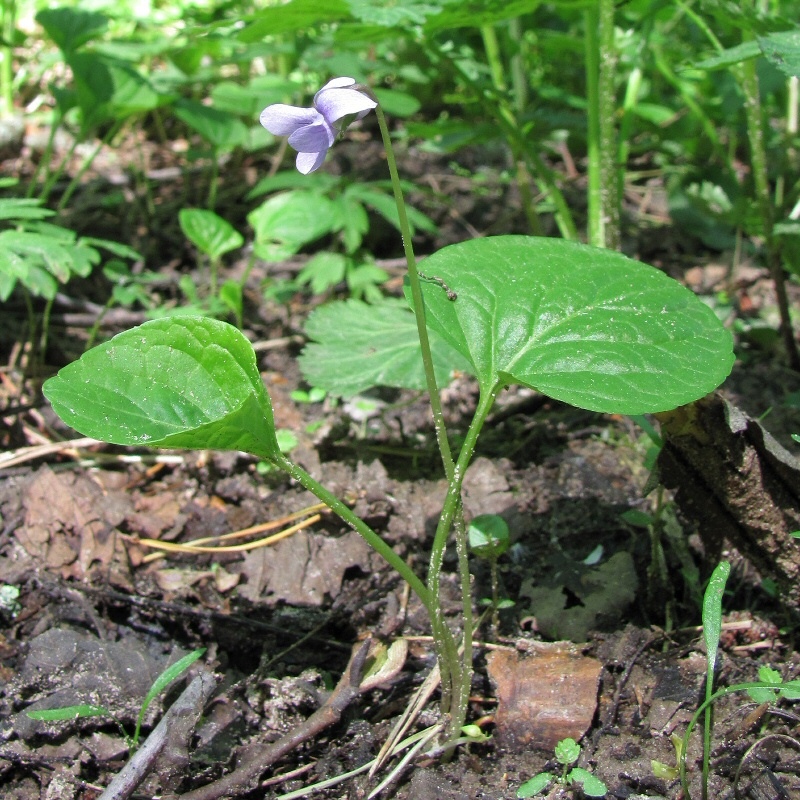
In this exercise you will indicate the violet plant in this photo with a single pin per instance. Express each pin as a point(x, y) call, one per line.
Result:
point(583, 325)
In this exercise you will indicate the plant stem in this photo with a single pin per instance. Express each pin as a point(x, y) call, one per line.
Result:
point(418, 302)
point(596, 234)
point(758, 159)
point(461, 679)
point(357, 524)
point(491, 46)
point(604, 184)
point(452, 668)
point(9, 21)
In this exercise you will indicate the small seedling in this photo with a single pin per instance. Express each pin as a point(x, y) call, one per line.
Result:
point(313, 395)
point(84, 710)
point(488, 538)
point(567, 752)
point(765, 689)
point(769, 675)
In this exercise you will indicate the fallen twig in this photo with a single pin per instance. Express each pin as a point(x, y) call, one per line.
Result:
point(256, 758)
point(169, 740)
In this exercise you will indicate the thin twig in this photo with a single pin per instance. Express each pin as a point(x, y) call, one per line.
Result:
point(173, 731)
point(257, 758)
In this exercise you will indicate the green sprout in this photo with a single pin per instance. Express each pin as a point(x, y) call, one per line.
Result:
point(84, 710)
point(488, 539)
point(567, 752)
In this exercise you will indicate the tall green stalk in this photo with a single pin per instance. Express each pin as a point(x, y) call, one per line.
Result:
point(604, 179)
point(491, 46)
point(758, 161)
point(456, 672)
point(7, 30)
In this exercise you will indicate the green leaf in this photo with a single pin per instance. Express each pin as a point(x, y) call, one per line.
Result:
point(384, 204)
point(536, 785)
point(396, 103)
point(474, 13)
point(712, 615)
point(323, 271)
point(69, 28)
point(210, 233)
point(767, 675)
point(583, 325)
point(187, 382)
point(567, 751)
point(356, 347)
point(591, 785)
point(109, 88)
point(161, 683)
point(292, 17)
point(731, 56)
point(783, 50)
point(23, 208)
point(287, 221)
point(389, 13)
point(488, 536)
point(220, 129)
point(68, 712)
point(637, 518)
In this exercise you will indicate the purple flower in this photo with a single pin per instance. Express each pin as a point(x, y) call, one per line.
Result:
point(312, 131)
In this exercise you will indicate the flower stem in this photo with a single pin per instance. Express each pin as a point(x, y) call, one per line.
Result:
point(456, 672)
point(462, 677)
point(416, 296)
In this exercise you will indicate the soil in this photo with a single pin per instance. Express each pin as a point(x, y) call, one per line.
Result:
point(595, 646)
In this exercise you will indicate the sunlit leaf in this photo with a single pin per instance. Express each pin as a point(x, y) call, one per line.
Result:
point(586, 326)
point(177, 382)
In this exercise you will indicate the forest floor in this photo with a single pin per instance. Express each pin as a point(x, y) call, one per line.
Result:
point(592, 648)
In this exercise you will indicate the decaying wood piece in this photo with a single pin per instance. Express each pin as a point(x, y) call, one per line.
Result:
point(737, 484)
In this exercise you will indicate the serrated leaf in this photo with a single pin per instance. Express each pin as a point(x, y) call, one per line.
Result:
point(188, 382)
point(356, 347)
point(587, 326)
point(322, 271)
point(782, 49)
point(209, 232)
point(567, 751)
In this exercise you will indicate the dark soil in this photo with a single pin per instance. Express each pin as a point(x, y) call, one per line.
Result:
point(99, 615)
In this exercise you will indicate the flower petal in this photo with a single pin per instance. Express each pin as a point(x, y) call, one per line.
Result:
point(282, 120)
point(308, 162)
point(313, 138)
point(334, 104)
point(338, 83)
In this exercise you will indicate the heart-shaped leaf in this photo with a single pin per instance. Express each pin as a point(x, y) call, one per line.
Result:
point(587, 326)
point(179, 382)
point(359, 346)
point(210, 233)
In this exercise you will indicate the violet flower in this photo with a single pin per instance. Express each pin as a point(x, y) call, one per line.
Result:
point(312, 131)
